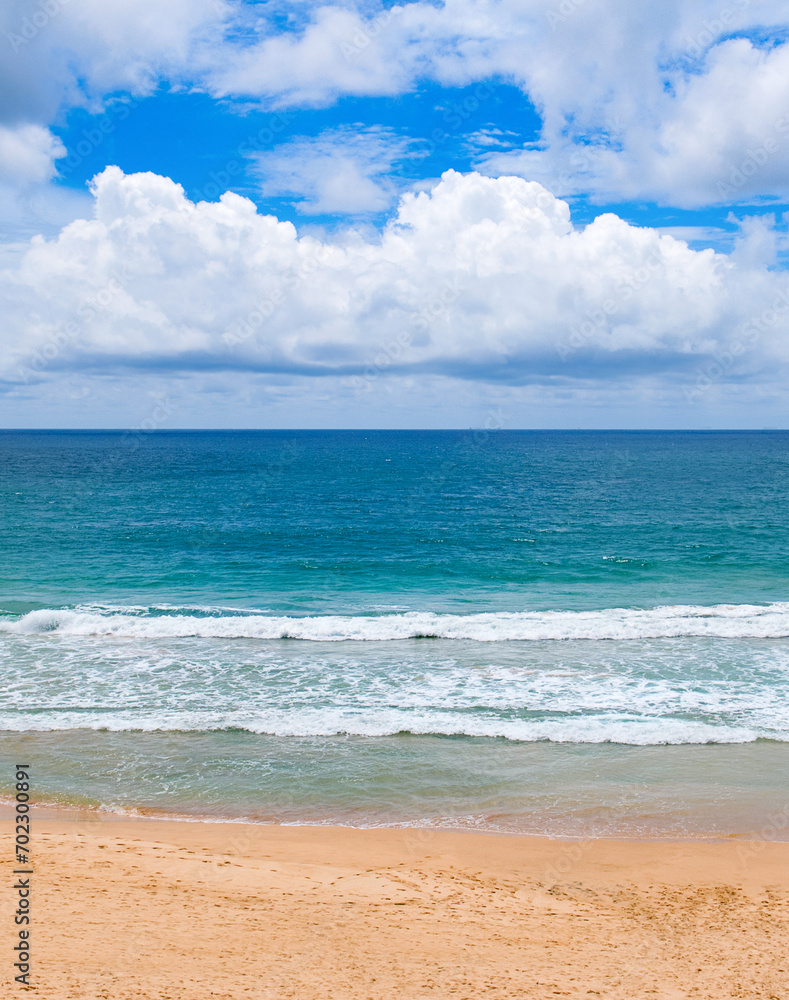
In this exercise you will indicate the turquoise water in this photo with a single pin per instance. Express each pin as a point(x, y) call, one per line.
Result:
point(509, 630)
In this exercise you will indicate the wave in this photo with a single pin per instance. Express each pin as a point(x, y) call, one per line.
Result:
point(730, 621)
point(633, 731)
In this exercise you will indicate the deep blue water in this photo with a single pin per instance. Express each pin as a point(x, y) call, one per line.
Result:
point(323, 521)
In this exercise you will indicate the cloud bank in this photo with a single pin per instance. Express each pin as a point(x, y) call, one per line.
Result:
point(480, 278)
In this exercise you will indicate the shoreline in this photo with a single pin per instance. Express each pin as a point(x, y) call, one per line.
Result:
point(664, 793)
point(67, 813)
point(197, 910)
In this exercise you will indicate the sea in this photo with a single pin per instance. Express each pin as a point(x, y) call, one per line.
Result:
point(570, 634)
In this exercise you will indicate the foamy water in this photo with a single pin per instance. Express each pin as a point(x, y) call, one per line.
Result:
point(727, 621)
point(660, 676)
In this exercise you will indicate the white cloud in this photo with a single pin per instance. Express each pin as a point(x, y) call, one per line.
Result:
point(343, 170)
point(65, 53)
point(484, 279)
point(338, 52)
point(60, 54)
point(726, 137)
point(720, 136)
point(27, 154)
point(637, 100)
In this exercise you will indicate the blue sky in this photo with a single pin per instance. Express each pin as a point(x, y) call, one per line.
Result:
point(211, 146)
point(461, 213)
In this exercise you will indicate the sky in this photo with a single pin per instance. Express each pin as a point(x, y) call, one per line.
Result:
point(458, 213)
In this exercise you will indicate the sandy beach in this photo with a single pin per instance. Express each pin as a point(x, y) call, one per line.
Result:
point(163, 910)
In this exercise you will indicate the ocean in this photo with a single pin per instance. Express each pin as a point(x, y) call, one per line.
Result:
point(563, 633)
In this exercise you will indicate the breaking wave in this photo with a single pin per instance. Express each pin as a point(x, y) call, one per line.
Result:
point(729, 621)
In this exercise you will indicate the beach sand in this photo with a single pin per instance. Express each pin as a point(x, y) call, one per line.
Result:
point(128, 908)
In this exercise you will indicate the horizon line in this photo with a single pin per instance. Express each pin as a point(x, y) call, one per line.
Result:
point(151, 432)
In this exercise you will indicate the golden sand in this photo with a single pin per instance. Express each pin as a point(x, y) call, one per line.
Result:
point(127, 908)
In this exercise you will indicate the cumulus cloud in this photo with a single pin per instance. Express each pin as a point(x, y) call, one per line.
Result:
point(337, 52)
point(67, 53)
point(718, 136)
point(27, 154)
point(637, 100)
point(483, 279)
point(680, 102)
point(342, 170)
point(61, 54)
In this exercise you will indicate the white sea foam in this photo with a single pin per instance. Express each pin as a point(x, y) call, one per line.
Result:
point(333, 722)
point(659, 679)
point(730, 621)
